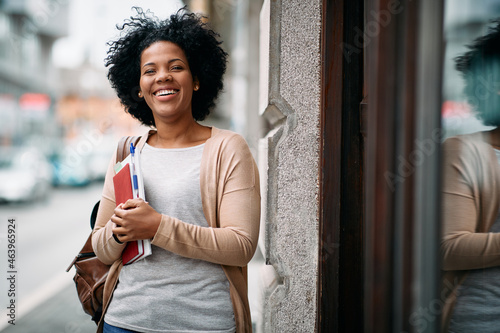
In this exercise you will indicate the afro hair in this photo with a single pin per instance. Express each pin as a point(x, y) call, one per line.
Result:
point(480, 68)
point(207, 60)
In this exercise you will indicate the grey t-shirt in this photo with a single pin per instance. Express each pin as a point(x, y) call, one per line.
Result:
point(166, 292)
point(477, 308)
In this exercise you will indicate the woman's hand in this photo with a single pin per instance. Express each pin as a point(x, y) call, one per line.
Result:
point(135, 219)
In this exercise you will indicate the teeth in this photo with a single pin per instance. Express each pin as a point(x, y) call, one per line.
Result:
point(165, 92)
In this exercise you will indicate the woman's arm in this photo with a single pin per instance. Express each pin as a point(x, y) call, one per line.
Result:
point(238, 214)
point(462, 246)
point(233, 243)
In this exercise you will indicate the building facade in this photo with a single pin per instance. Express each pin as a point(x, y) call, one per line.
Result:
point(28, 80)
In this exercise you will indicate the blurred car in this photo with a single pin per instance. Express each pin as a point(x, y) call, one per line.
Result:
point(70, 169)
point(99, 159)
point(24, 175)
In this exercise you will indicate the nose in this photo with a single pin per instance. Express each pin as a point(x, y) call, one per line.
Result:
point(163, 76)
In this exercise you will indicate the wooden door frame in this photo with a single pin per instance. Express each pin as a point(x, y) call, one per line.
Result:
point(402, 193)
point(340, 283)
point(378, 242)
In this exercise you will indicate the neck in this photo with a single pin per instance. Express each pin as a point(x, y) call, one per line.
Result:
point(179, 135)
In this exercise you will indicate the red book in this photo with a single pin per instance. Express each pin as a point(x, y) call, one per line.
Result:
point(123, 191)
point(123, 185)
point(133, 251)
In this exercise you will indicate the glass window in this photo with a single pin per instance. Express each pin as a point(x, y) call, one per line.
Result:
point(471, 166)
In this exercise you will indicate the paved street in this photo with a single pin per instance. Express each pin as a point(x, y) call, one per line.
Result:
point(60, 313)
point(48, 236)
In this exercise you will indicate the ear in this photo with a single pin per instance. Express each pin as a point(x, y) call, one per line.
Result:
point(196, 84)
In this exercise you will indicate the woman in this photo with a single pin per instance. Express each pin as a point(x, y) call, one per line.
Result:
point(471, 200)
point(201, 185)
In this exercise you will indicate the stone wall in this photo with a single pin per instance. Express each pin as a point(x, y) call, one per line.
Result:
point(289, 163)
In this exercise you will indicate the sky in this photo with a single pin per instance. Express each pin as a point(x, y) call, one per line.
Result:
point(93, 22)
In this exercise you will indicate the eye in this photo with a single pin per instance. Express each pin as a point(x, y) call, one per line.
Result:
point(177, 68)
point(149, 71)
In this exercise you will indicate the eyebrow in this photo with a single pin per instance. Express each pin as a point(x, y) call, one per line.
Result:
point(170, 61)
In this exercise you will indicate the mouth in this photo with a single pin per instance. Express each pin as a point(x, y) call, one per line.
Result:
point(165, 92)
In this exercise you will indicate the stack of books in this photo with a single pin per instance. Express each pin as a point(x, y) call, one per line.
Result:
point(128, 183)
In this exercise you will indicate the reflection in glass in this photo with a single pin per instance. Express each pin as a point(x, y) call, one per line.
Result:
point(471, 188)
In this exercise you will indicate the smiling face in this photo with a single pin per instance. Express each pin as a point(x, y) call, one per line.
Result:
point(166, 82)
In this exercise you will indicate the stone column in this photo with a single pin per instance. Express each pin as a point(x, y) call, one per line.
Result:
point(290, 67)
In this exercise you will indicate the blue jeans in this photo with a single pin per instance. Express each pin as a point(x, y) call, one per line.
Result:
point(113, 329)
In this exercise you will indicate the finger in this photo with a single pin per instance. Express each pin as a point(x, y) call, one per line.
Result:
point(132, 203)
point(122, 238)
point(118, 237)
point(117, 220)
point(120, 211)
point(119, 231)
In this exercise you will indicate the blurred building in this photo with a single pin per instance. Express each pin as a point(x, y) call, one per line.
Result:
point(28, 30)
point(238, 24)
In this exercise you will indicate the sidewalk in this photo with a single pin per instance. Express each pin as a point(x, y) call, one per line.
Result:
point(61, 313)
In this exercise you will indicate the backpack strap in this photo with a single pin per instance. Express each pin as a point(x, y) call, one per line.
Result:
point(122, 150)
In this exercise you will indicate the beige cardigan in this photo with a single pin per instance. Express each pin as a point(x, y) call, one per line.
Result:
point(229, 183)
point(471, 194)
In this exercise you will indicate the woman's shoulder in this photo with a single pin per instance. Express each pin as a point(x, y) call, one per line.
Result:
point(471, 149)
point(226, 137)
point(476, 140)
point(228, 145)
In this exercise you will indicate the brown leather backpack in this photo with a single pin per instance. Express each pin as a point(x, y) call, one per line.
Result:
point(91, 273)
